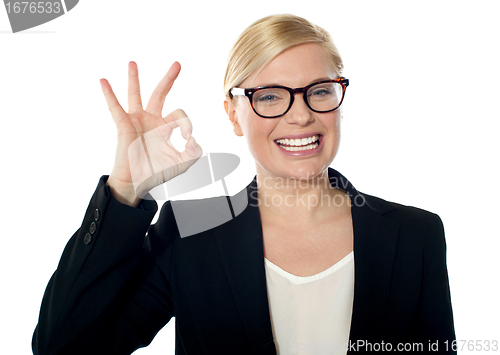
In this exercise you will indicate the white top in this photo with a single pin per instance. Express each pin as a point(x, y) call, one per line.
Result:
point(312, 314)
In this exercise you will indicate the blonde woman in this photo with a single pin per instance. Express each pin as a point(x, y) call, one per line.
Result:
point(309, 265)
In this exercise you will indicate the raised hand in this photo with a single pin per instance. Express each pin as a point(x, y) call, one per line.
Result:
point(145, 157)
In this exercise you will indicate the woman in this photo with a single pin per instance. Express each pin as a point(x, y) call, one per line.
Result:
point(279, 277)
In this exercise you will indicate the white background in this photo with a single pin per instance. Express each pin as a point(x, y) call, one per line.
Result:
point(420, 125)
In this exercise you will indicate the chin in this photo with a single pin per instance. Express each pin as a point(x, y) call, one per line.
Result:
point(306, 171)
point(302, 171)
point(300, 168)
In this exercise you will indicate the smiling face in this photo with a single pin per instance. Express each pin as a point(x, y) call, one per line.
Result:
point(270, 140)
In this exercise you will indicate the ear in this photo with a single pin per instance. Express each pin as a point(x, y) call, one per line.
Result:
point(231, 112)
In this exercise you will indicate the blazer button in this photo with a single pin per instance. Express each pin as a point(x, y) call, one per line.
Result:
point(93, 227)
point(97, 214)
point(87, 239)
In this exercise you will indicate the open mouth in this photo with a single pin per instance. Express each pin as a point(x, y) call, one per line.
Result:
point(299, 144)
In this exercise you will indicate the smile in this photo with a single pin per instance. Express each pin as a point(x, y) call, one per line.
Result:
point(298, 144)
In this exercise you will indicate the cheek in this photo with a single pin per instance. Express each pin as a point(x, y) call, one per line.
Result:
point(333, 128)
point(337, 129)
point(338, 123)
point(337, 119)
point(258, 132)
point(332, 123)
point(255, 128)
point(244, 116)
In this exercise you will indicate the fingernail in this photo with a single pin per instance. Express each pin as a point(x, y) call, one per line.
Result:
point(187, 134)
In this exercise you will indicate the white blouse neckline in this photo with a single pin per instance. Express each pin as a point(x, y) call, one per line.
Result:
point(305, 279)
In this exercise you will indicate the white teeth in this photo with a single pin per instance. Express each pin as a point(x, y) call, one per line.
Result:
point(299, 142)
point(295, 149)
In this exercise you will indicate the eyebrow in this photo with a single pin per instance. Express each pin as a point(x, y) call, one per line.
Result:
point(312, 81)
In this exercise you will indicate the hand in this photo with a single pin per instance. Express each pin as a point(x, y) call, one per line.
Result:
point(145, 157)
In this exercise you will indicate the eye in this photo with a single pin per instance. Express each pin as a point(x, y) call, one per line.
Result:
point(320, 92)
point(268, 97)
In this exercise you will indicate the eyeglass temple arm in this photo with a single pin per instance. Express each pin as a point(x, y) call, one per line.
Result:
point(237, 91)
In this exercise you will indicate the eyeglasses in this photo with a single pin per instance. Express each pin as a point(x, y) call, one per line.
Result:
point(275, 101)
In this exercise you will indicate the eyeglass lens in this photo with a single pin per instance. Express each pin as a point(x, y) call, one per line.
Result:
point(275, 101)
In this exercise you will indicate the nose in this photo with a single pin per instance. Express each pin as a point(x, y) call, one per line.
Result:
point(299, 113)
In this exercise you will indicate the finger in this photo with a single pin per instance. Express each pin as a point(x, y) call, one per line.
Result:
point(178, 118)
point(191, 153)
point(193, 149)
point(155, 104)
point(113, 104)
point(134, 90)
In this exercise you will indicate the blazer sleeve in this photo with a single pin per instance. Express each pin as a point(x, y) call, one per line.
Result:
point(106, 296)
point(435, 311)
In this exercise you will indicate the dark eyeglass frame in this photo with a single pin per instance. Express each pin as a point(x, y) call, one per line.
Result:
point(250, 91)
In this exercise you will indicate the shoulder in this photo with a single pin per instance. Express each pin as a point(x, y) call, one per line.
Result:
point(417, 228)
point(420, 232)
point(398, 211)
point(376, 206)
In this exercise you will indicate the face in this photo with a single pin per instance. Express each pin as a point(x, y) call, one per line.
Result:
point(294, 68)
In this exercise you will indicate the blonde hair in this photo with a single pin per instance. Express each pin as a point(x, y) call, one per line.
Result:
point(266, 38)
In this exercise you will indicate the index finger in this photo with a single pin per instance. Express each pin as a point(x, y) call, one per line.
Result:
point(178, 118)
point(155, 104)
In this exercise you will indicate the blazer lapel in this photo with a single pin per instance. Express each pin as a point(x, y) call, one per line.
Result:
point(375, 242)
point(242, 251)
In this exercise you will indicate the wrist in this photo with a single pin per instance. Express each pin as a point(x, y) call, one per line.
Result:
point(123, 193)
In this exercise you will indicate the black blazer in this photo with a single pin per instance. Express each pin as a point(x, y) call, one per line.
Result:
point(114, 290)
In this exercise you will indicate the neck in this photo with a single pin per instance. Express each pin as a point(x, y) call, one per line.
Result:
point(298, 201)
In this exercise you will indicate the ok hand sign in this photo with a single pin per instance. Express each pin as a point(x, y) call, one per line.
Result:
point(145, 157)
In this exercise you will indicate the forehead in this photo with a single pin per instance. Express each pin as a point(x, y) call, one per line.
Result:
point(295, 67)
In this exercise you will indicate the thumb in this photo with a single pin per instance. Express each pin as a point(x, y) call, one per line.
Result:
point(190, 155)
point(192, 150)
